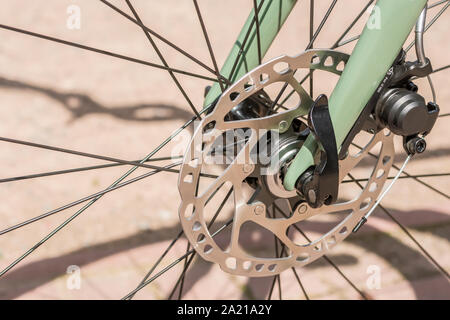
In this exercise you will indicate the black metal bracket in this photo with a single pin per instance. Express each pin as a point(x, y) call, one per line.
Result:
point(399, 74)
point(320, 185)
point(406, 70)
point(365, 115)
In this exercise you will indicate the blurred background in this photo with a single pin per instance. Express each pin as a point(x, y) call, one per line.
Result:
point(58, 95)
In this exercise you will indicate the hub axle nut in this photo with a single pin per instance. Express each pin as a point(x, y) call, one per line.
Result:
point(416, 145)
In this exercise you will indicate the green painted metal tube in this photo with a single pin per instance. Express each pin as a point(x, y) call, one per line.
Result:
point(385, 33)
point(272, 15)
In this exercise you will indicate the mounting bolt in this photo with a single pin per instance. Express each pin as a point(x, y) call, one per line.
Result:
point(416, 145)
point(411, 86)
point(283, 126)
point(302, 208)
point(248, 167)
point(258, 209)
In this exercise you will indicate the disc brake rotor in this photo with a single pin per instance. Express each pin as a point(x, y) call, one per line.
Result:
point(241, 168)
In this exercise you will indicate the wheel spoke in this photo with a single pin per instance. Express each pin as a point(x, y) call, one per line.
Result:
point(361, 13)
point(438, 3)
point(188, 263)
point(322, 23)
point(74, 170)
point(309, 46)
point(422, 249)
point(70, 219)
point(337, 44)
point(435, 18)
point(433, 91)
point(340, 42)
point(242, 51)
point(410, 236)
point(300, 283)
point(79, 201)
point(105, 52)
point(280, 297)
point(311, 41)
point(191, 253)
point(327, 259)
point(183, 52)
point(441, 69)
point(272, 286)
point(166, 251)
point(208, 43)
point(428, 175)
point(276, 278)
point(164, 62)
point(186, 260)
point(349, 40)
point(82, 200)
point(423, 183)
point(181, 277)
point(157, 275)
point(149, 273)
point(258, 35)
point(409, 175)
point(283, 249)
point(290, 93)
point(88, 155)
point(171, 265)
point(91, 202)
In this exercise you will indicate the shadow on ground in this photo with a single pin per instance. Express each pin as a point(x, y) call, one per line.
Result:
point(81, 105)
point(408, 261)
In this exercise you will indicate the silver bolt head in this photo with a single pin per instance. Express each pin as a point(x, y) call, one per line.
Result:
point(302, 208)
point(248, 168)
point(283, 125)
point(259, 209)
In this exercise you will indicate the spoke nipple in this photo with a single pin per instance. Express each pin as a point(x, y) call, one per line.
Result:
point(359, 224)
point(207, 88)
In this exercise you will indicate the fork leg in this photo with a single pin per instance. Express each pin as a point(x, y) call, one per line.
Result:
point(386, 31)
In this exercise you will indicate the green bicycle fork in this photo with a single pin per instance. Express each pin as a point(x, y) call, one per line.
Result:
point(389, 25)
point(271, 16)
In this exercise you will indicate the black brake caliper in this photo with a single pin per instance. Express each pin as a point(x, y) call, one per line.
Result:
point(402, 110)
point(395, 105)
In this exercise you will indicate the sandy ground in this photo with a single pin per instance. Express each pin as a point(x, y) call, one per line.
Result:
point(67, 97)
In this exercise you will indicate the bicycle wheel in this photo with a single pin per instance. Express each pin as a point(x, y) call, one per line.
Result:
point(156, 259)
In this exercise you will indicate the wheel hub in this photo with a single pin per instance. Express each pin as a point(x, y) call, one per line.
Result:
point(255, 188)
